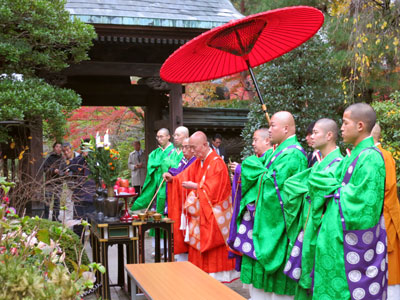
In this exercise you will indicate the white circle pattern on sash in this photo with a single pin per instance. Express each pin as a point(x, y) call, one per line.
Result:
point(246, 216)
point(352, 258)
point(196, 230)
point(383, 265)
point(374, 288)
point(225, 230)
point(221, 220)
point(217, 208)
point(351, 239)
point(225, 204)
point(380, 247)
point(198, 205)
point(288, 266)
point(192, 210)
point(369, 255)
point(192, 241)
point(359, 293)
point(383, 223)
point(242, 229)
point(354, 276)
point(246, 247)
point(296, 273)
point(198, 246)
point(367, 237)
point(254, 253)
point(350, 169)
point(237, 242)
point(301, 236)
point(228, 215)
point(250, 234)
point(383, 280)
point(295, 251)
point(371, 272)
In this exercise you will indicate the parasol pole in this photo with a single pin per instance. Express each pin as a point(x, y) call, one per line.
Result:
point(263, 106)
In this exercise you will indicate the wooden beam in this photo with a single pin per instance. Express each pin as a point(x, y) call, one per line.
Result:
point(94, 68)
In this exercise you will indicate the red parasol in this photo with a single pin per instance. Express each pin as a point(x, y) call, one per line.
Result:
point(242, 44)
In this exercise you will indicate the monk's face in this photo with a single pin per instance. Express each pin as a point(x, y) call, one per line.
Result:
point(162, 138)
point(319, 137)
point(349, 128)
point(187, 151)
point(178, 138)
point(277, 131)
point(260, 144)
point(199, 147)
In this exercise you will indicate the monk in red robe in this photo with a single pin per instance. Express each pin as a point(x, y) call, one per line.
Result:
point(391, 211)
point(208, 184)
point(175, 199)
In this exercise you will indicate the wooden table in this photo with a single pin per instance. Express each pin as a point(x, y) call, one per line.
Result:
point(178, 281)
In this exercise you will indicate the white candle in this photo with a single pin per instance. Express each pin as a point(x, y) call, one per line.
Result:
point(98, 140)
point(106, 139)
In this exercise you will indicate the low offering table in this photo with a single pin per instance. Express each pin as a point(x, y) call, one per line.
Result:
point(177, 281)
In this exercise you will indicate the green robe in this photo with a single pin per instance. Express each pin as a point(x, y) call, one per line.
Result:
point(269, 235)
point(159, 162)
point(303, 213)
point(362, 202)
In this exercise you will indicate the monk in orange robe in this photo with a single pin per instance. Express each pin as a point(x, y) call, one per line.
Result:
point(391, 213)
point(208, 178)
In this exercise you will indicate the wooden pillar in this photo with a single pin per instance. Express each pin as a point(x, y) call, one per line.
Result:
point(151, 115)
point(175, 107)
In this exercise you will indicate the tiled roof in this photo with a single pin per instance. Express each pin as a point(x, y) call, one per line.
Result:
point(164, 13)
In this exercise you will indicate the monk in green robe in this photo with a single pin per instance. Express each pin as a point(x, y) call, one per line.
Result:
point(303, 214)
point(361, 200)
point(265, 275)
point(160, 160)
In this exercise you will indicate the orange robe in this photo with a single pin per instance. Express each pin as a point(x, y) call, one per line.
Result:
point(391, 212)
point(213, 254)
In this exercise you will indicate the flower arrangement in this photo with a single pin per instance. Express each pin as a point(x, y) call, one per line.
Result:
point(33, 265)
point(103, 162)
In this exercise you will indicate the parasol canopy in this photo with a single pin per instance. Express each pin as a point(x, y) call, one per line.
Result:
point(242, 44)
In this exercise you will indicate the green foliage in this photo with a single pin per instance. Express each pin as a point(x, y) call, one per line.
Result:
point(39, 35)
point(69, 242)
point(33, 97)
point(303, 82)
point(33, 263)
point(388, 116)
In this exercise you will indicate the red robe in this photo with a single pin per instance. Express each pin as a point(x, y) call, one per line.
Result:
point(213, 254)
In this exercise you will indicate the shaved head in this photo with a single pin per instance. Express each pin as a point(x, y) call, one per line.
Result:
point(263, 133)
point(180, 134)
point(199, 144)
point(362, 112)
point(282, 126)
point(376, 133)
point(163, 131)
point(183, 130)
point(328, 125)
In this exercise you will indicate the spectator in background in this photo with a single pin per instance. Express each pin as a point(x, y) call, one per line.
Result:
point(137, 165)
point(216, 146)
point(312, 157)
point(83, 189)
point(53, 181)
